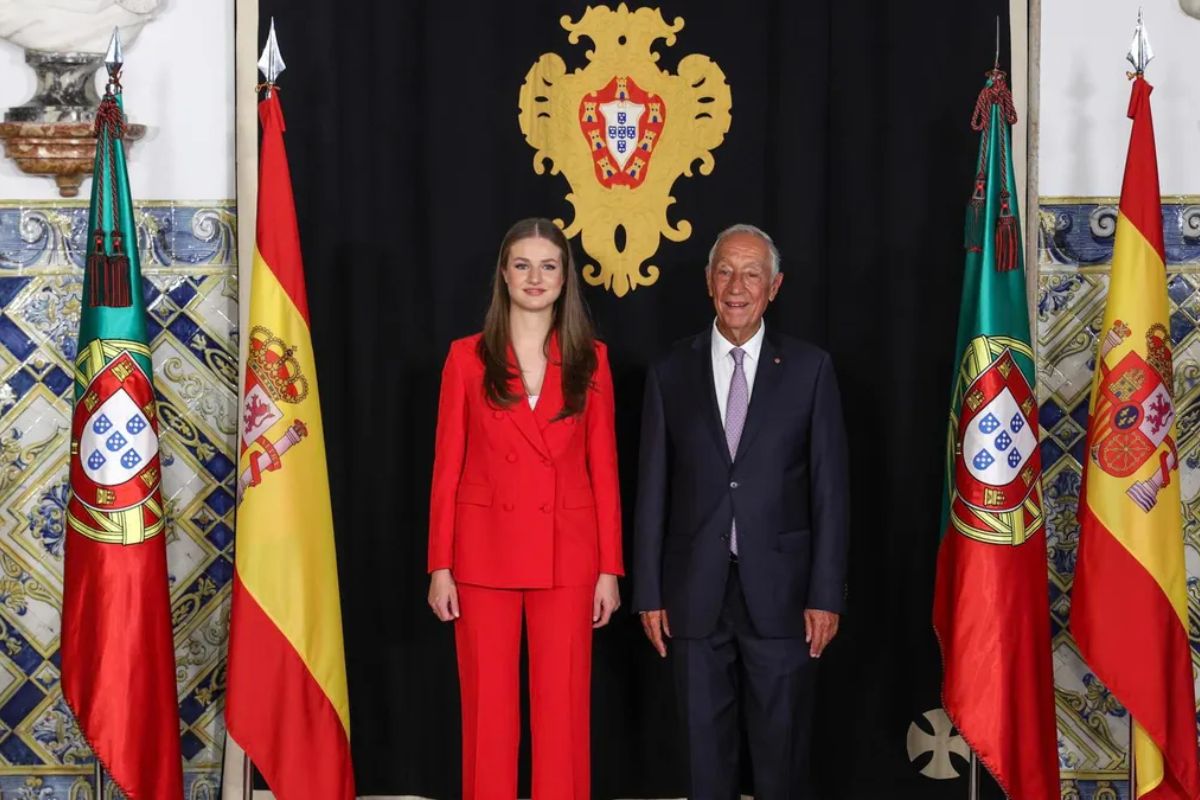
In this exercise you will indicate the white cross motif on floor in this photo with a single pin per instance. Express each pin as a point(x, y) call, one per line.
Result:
point(939, 738)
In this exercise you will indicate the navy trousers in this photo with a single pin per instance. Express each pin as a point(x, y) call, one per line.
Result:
point(768, 682)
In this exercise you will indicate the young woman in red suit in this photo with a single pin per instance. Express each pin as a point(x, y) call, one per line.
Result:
point(526, 518)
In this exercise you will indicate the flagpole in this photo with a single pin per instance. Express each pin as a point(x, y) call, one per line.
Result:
point(270, 64)
point(973, 778)
point(247, 777)
point(99, 780)
point(1132, 762)
point(1140, 54)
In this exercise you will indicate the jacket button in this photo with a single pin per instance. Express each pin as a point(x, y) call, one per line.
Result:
point(498, 414)
point(545, 508)
point(545, 462)
point(508, 506)
point(733, 484)
point(511, 458)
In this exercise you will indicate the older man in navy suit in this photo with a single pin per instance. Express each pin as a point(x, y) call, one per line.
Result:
point(741, 527)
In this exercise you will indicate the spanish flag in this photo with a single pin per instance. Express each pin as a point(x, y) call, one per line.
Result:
point(1129, 610)
point(287, 703)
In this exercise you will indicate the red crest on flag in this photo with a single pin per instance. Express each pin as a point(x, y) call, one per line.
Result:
point(114, 433)
point(1134, 415)
point(997, 435)
point(997, 463)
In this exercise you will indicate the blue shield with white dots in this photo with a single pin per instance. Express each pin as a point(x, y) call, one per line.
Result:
point(118, 439)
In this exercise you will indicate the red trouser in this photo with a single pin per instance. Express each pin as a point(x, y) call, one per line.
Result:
point(488, 638)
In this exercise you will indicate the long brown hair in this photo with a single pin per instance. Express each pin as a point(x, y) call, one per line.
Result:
point(576, 338)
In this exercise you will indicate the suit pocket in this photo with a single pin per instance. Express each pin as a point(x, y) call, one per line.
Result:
point(474, 494)
point(578, 498)
point(792, 541)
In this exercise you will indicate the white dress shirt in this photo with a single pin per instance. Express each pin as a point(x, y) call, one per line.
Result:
point(722, 362)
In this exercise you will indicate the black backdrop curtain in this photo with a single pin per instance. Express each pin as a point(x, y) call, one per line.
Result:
point(850, 143)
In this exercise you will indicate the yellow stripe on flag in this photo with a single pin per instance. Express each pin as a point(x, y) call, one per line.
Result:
point(1137, 296)
point(1148, 762)
point(285, 526)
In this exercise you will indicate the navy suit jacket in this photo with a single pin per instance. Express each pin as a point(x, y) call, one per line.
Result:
point(787, 486)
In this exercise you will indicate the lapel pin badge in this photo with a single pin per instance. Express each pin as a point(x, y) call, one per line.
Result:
point(778, 360)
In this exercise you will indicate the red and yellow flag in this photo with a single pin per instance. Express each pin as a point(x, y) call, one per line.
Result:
point(287, 703)
point(1129, 610)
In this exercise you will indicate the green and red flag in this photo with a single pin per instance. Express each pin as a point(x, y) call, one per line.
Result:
point(1129, 602)
point(991, 600)
point(118, 660)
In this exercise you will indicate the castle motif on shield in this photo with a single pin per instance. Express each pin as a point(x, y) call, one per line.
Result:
point(115, 467)
point(996, 494)
point(1135, 414)
point(273, 380)
point(622, 130)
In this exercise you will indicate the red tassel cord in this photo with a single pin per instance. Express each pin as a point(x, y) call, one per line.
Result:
point(996, 93)
point(118, 263)
point(973, 230)
point(97, 265)
point(108, 274)
point(1006, 238)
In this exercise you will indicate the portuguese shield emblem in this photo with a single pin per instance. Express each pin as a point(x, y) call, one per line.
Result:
point(115, 467)
point(996, 495)
point(622, 130)
point(621, 124)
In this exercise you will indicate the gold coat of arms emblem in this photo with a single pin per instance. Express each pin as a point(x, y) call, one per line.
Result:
point(622, 130)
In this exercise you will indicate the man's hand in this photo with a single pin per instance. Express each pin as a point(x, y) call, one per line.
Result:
point(819, 629)
point(655, 624)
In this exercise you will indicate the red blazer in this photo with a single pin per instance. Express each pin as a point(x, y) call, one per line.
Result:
point(519, 501)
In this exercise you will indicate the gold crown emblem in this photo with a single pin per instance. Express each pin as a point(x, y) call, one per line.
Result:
point(276, 368)
point(1158, 354)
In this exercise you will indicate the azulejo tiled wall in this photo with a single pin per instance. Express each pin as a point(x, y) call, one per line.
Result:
point(189, 261)
point(1074, 257)
point(189, 264)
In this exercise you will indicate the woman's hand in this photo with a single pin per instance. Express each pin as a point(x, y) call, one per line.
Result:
point(443, 595)
point(606, 601)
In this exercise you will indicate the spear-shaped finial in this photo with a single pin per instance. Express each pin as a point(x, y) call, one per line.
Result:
point(114, 59)
point(270, 63)
point(1140, 54)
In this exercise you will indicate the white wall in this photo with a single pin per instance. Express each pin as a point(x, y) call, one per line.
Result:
point(179, 83)
point(1084, 132)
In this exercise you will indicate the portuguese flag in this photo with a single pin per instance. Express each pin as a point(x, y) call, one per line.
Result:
point(991, 601)
point(287, 703)
point(1129, 605)
point(118, 659)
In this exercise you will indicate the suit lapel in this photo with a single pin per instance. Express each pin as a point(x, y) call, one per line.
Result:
point(702, 369)
point(766, 381)
point(551, 398)
point(520, 412)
